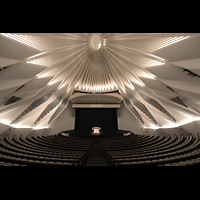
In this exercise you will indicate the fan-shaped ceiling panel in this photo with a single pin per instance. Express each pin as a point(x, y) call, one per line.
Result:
point(36, 65)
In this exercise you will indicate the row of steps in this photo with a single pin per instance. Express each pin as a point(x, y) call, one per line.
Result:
point(95, 157)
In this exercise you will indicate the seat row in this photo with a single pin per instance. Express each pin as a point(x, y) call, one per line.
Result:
point(138, 150)
point(43, 151)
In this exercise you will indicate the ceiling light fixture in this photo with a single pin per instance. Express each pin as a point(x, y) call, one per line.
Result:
point(18, 126)
point(95, 41)
point(173, 125)
point(39, 127)
point(5, 122)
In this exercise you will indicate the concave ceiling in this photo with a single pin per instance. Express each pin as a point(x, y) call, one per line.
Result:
point(156, 74)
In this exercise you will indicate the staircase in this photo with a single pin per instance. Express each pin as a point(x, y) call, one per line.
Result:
point(95, 157)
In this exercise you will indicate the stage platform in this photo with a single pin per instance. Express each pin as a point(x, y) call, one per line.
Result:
point(90, 134)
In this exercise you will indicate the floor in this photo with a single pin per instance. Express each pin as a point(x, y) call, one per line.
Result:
point(95, 157)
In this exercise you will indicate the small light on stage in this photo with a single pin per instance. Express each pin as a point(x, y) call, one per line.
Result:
point(96, 130)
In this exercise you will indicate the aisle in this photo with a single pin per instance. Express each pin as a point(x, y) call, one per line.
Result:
point(96, 157)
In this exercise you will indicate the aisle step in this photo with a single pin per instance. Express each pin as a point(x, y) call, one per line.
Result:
point(95, 157)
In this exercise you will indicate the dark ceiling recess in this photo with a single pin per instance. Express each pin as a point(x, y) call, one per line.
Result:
point(20, 88)
point(170, 88)
point(12, 100)
point(3, 68)
point(190, 73)
point(178, 100)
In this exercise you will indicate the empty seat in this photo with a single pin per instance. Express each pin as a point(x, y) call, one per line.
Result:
point(59, 151)
point(159, 151)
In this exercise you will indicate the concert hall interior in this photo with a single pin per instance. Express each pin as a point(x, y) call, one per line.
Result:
point(99, 99)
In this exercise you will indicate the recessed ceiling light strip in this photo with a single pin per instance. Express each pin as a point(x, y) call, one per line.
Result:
point(69, 36)
point(85, 75)
point(57, 51)
point(82, 75)
point(61, 62)
point(115, 73)
point(71, 72)
point(121, 70)
point(164, 42)
point(126, 68)
point(108, 74)
point(143, 70)
point(139, 53)
point(62, 66)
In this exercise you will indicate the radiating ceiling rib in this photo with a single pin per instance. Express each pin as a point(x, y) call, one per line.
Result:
point(67, 36)
point(33, 105)
point(49, 107)
point(109, 79)
point(70, 72)
point(104, 66)
point(157, 105)
point(61, 63)
point(83, 73)
point(141, 56)
point(133, 68)
point(149, 43)
point(123, 72)
point(133, 36)
point(81, 67)
point(126, 69)
point(57, 56)
point(62, 106)
point(79, 77)
point(143, 108)
point(105, 80)
point(86, 73)
point(117, 78)
point(132, 109)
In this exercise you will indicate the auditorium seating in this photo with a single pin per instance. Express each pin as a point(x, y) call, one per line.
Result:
point(139, 150)
point(54, 150)
point(130, 150)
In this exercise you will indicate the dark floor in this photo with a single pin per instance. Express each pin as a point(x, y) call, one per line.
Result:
point(96, 157)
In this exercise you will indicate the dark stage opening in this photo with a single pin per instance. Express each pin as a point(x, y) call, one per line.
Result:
point(87, 118)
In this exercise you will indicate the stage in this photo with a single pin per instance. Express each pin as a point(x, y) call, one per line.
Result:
point(91, 134)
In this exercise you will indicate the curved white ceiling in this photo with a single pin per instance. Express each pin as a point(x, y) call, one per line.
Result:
point(157, 74)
